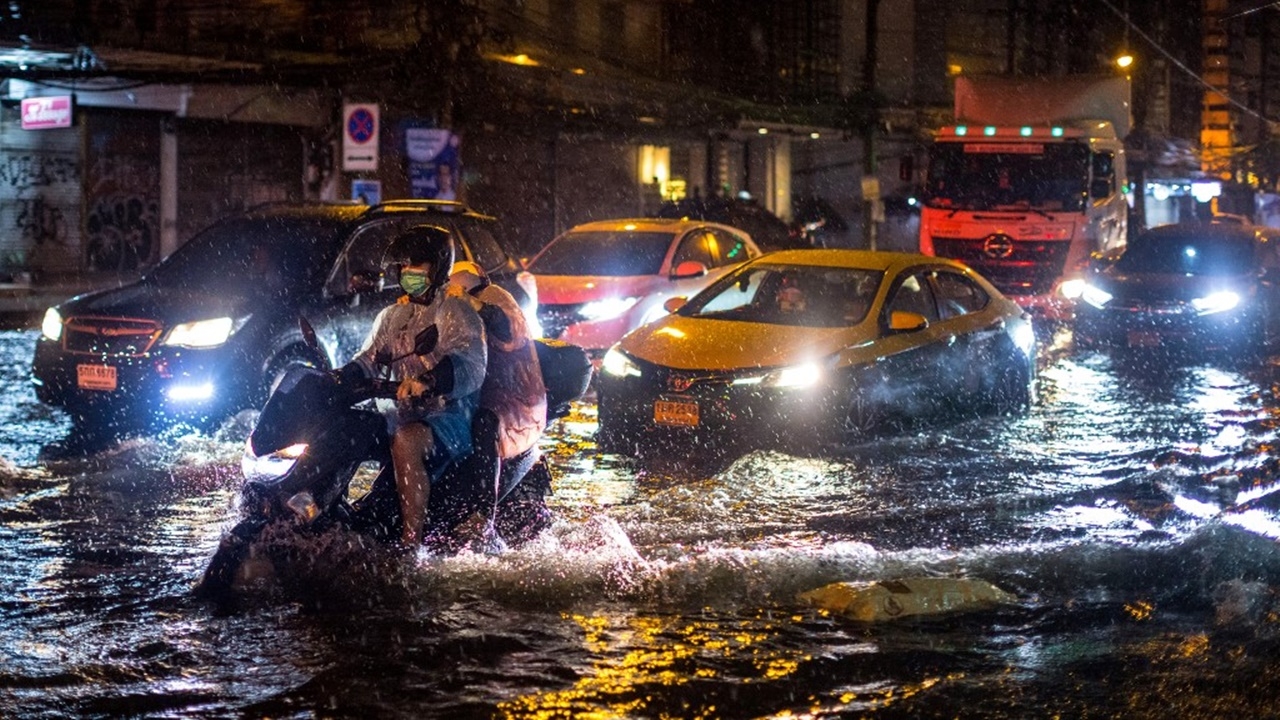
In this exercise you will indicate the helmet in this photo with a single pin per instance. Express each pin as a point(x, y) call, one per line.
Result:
point(470, 276)
point(419, 245)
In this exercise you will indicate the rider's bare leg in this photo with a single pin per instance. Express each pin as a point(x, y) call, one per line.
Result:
point(410, 447)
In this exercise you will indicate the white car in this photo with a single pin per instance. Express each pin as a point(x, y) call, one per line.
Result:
point(601, 280)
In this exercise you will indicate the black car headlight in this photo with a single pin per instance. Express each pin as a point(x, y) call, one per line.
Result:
point(1216, 302)
point(203, 333)
point(51, 325)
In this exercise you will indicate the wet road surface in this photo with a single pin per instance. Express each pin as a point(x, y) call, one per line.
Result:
point(1133, 513)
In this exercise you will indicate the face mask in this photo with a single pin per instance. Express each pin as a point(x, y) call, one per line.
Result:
point(414, 283)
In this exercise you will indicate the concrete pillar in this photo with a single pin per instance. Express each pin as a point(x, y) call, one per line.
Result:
point(168, 186)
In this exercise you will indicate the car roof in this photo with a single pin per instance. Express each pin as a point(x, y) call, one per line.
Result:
point(671, 225)
point(881, 260)
point(353, 210)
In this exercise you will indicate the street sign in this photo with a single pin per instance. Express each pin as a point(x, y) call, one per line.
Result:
point(45, 113)
point(359, 137)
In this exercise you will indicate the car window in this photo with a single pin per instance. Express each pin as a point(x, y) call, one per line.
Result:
point(799, 295)
point(253, 254)
point(611, 253)
point(733, 248)
point(485, 248)
point(914, 295)
point(697, 246)
point(364, 253)
point(958, 295)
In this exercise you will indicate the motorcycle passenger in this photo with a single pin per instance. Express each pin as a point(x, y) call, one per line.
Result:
point(513, 399)
point(439, 390)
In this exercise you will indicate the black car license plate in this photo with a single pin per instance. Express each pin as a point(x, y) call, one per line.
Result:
point(96, 377)
point(1144, 338)
point(675, 412)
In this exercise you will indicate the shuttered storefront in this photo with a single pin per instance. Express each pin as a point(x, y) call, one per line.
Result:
point(40, 198)
point(122, 190)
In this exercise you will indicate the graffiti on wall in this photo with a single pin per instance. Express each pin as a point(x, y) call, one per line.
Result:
point(122, 221)
point(39, 209)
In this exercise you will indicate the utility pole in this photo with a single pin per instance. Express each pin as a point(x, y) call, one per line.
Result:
point(870, 181)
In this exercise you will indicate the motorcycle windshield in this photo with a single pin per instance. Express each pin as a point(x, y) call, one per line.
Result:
point(303, 396)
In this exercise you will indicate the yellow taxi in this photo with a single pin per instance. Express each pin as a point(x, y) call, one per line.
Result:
point(818, 344)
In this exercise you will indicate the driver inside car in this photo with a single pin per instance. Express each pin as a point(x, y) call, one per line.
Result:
point(439, 382)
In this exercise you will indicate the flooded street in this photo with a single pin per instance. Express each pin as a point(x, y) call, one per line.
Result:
point(1133, 513)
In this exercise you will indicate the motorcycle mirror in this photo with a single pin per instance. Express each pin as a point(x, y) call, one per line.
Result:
point(308, 333)
point(426, 340)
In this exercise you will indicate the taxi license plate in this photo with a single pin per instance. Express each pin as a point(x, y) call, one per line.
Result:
point(1144, 339)
point(96, 377)
point(670, 412)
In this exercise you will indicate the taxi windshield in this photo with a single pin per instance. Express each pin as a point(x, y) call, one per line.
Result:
point(798, 295)
point(604, 253)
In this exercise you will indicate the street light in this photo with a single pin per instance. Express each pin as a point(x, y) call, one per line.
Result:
point(1124, 61)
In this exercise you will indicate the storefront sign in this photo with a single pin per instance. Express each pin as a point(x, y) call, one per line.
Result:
point(46, 113)
point(434, 163)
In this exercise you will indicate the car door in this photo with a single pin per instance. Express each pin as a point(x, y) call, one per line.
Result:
point(974, 342)
point(916, 365)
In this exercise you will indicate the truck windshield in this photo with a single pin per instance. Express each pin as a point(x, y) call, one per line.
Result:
point(1004, 175)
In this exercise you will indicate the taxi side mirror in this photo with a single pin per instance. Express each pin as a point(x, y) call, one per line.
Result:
point(901, 321)
point(675, 303)
point(689, 269)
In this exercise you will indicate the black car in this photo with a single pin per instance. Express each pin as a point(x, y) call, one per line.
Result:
point(1187, 286)
point(769, 231)
point(209, 330)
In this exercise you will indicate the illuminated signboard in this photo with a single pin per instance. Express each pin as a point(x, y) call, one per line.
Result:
point(46, 113)
point(1010, 148)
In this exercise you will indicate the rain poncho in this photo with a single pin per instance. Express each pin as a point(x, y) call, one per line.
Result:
point(460, 352)
point(513, 387)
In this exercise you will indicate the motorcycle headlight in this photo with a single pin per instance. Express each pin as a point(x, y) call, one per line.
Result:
point(201, 333)
point(619, 365)
point(273, 464)
point(608, 308)
point(1216, 302)
point(1095, 296)
point(51, 326)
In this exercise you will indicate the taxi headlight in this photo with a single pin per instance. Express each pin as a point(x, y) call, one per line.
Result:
point(1095, 296)
point(1216, 302)
point(793, 376)
point(201, 333)
point(607, 308)
point(51, 326)
point(619, 365)
point(273, 464)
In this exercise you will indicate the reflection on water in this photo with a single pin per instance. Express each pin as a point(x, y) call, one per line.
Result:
point(1133, 514)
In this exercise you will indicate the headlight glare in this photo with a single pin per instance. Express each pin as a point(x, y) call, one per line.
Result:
point(619, 365)
point(273, 464)
point(796, 376)
point(1216, 302)
point(51, 326)
point(607, 308)
point(1095, 296)
point(201, 333)
point(1071, 289)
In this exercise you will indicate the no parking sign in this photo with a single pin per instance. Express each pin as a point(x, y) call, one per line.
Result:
point(359, 137)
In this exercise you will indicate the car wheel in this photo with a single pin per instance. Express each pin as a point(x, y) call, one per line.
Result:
point(864, 415)
point(1015, 391)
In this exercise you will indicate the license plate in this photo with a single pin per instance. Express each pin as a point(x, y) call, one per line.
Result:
point(96, 377)
point(1144, 339)
point(670, 412)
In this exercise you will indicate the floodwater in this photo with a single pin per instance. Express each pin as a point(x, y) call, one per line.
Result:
point(1133, 516)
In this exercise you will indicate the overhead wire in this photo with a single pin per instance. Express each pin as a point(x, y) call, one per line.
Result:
point(1124, 17)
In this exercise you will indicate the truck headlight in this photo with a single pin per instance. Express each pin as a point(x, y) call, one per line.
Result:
point(51, 326)
point(201, 333)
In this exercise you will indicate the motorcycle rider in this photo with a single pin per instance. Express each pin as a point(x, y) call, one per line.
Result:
point(439, 388)
point(513, 399)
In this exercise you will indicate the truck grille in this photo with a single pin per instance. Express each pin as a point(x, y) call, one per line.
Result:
point(120, 337)
point(1031, 267)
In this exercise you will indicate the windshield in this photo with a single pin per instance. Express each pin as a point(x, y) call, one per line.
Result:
point(804, 296)
point(1188, 255)
point(604, 252)
point(253, 256)
point(999, 175)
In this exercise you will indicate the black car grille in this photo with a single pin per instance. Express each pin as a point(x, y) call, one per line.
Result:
point(555, 318)
point(126, 337)
point(1030, 267)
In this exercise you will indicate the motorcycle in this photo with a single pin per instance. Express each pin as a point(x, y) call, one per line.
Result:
point(317, 432)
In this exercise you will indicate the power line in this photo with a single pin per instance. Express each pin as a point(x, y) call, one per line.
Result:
point(1183, 67)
